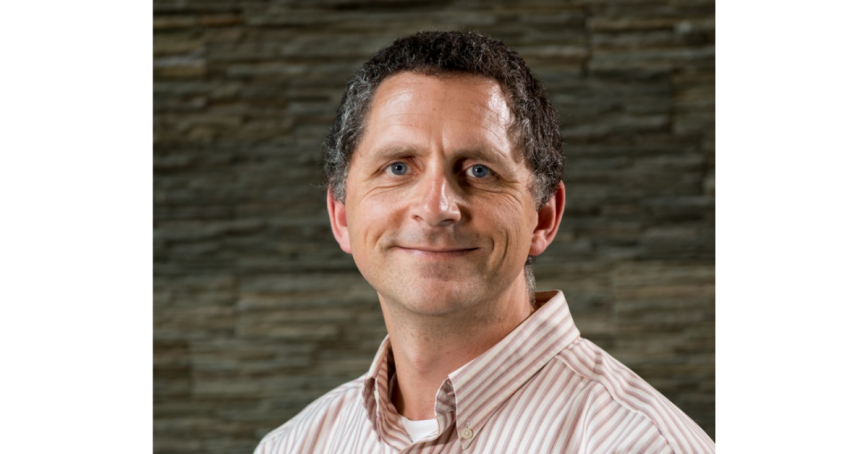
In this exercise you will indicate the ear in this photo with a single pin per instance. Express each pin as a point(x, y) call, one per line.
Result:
point(338, 218)
point(548, 221)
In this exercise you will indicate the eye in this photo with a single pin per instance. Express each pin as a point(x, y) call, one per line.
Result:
point(478, 171)
point(398, 168)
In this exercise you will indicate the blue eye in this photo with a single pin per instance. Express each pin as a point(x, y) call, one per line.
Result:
point(479, 171)
point(398, 168)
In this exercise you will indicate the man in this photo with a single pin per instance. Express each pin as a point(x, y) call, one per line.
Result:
point(444, 173)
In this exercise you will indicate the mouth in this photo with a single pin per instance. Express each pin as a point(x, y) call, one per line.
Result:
point(436, 252)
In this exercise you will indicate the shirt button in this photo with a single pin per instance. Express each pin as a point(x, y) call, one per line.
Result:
point(466, 433)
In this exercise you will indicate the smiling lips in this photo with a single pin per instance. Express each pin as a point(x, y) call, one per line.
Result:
point(436, 252)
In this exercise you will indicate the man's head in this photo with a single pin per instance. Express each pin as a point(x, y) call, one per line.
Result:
point(441, 167)
point(534, 127)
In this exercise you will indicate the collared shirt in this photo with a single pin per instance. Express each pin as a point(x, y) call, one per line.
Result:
point(543, 388)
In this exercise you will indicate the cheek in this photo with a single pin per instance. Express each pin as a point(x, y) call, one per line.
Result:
point(513, 226)
point(370, 218)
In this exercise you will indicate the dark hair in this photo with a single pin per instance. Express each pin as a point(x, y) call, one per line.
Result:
point(534, 121)
point(534, 125)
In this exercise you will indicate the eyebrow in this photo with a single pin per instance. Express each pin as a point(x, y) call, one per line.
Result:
point(393, 151)
point(400, 150)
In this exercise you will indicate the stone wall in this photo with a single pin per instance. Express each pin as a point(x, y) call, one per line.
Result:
point(257, 311)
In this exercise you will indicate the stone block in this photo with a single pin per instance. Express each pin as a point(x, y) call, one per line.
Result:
point(652, 61)
point(221, 20)
point(615, 123)
point(266, 69)
point(693, 122)
point(668, 209)
point(695, 94)
point(244, 385)
point(248, 327)
point(611, 24)
point(171, 368)
point(180, 67)
point(175, 444)
point(186, 231)
point(179, 323)
point(669, 311)
point(308, 282)
point(188, 43)
point(174, 22)
point(242, 355)
point(708, 183)
point(641, 275)
point(678, 243)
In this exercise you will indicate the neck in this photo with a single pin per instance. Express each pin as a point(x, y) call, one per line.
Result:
point(428, 348)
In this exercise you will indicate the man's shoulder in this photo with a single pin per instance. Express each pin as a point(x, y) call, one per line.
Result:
point(318, 416)
point(608, 381)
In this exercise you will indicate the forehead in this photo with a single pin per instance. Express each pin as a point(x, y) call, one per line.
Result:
point(481, 92)
point(457, 110)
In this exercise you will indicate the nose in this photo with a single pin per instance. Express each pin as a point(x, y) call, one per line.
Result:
point(436, 201)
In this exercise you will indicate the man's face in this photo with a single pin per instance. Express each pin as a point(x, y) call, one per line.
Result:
point(439, 214)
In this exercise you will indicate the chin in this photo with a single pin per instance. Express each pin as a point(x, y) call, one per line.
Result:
point(435, 300)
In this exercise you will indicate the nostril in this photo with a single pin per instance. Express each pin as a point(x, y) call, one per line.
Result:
point(436, 200)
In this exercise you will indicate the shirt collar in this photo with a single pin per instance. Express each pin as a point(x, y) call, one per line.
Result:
point(471, 394)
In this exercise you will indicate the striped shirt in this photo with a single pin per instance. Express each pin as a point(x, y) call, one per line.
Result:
point(542, 389)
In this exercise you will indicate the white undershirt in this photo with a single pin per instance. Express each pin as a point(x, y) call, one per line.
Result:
point(420, 429)
point(426, 427)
